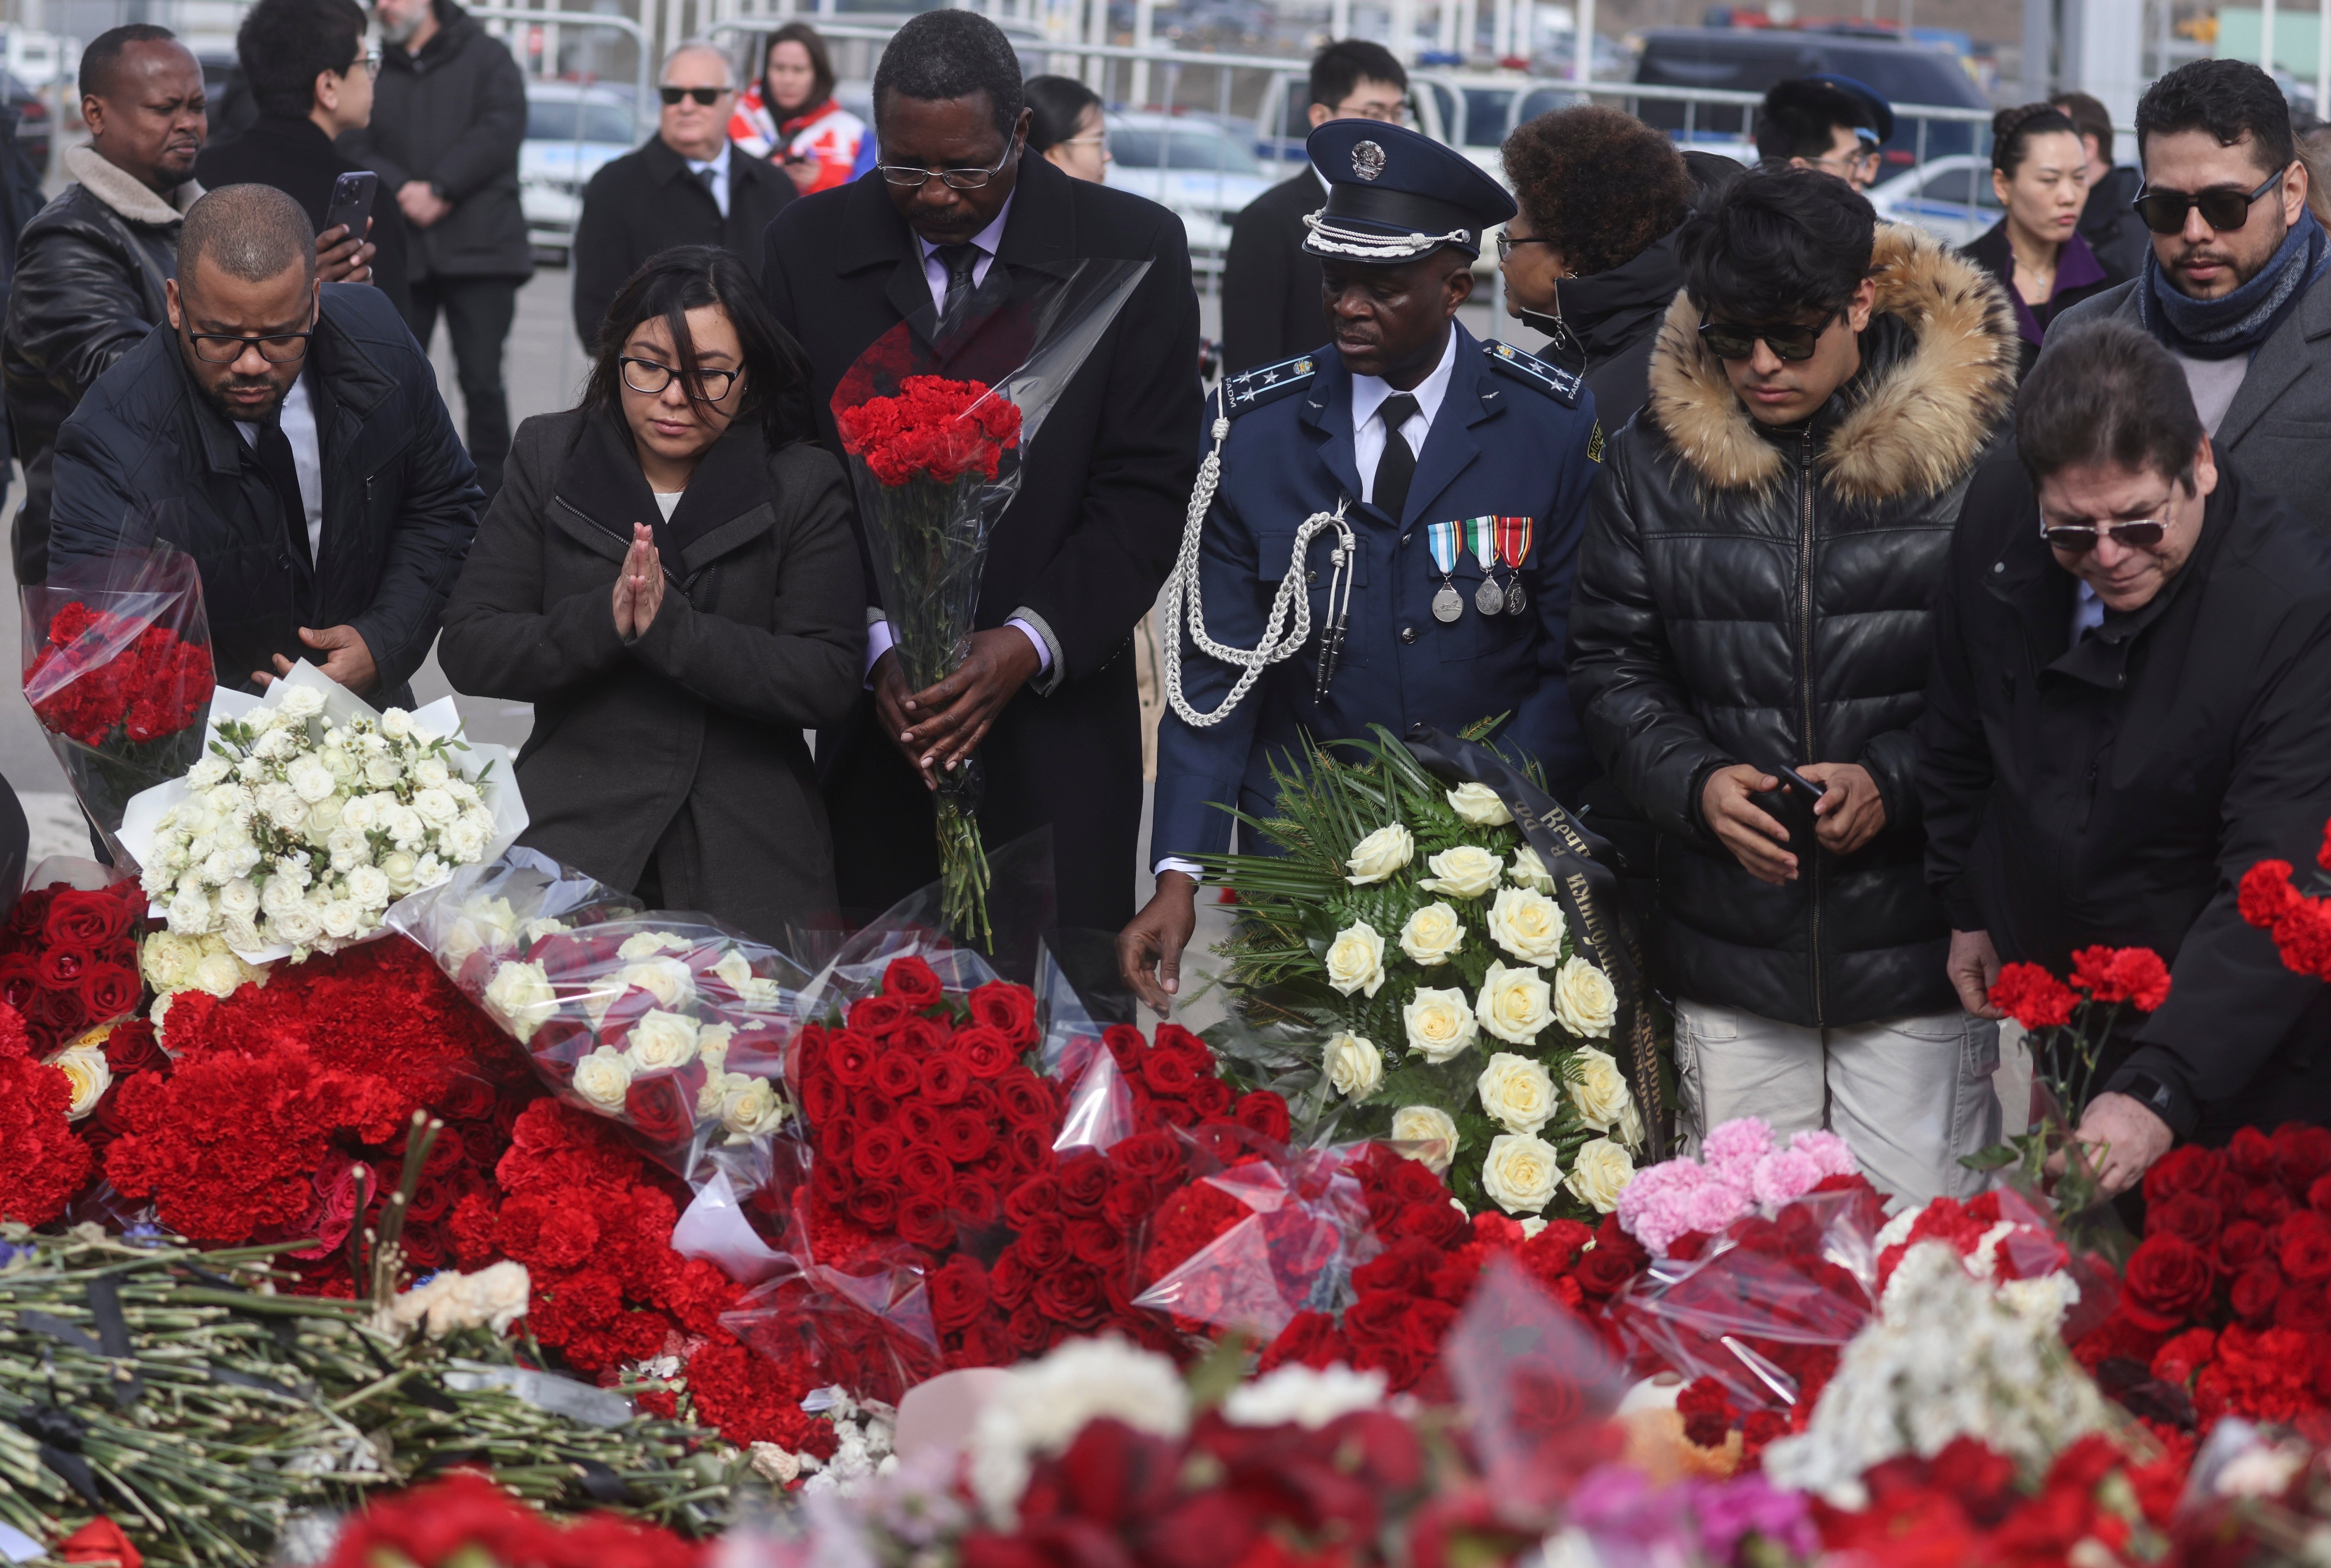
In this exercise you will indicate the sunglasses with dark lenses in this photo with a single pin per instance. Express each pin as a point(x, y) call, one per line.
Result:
point(2164, 211)
point(1787, 340)
point(2080, 538)
point(707, 96)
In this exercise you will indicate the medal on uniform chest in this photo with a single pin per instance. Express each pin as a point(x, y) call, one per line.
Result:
point(1513, 546)
point(1481, 533)
point(1447, 603)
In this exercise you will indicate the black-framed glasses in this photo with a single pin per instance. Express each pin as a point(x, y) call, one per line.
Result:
point(1788, 340)
point(224, 349)
point(2080, 538)
point(707, 96)
point(2164, 211)
point(1382, 113)
point(649, 379)
point(368, 62)
point(954, 179)
point(1506, 243)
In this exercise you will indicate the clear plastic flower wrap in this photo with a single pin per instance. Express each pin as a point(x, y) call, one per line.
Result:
point(117, 670)
point(673, 1025)
point(870, 1332)
point(1537, 1386)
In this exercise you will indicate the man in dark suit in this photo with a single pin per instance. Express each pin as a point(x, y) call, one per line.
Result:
point(689, 186)
point(1270, 284)
point(1046, 693)
point(310, 76)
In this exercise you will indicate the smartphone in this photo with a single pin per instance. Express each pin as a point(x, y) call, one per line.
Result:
point(352, 195)
point(1791, 776)
point(1792, 806)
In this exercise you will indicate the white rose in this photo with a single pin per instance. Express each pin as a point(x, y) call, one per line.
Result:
point(1600, 1091)
point(242, 932)
point(212, 770)
point(1432, 934)
point(662, 1041)
point(1380, 854)
point(358, 815)
point(396, 724)
point(290, 812)
point(429, 871)
point(1355, 960)
point(1515, 1005)
point(667, 980)
point(218, 870)
point(712, 1044)
point(603, 1078)
point(368, 885)
point(297, 923)
point(300, 702)
point(1521, 1173)
point(191, 914)
point(1431, 1127)
point(751, 1107)
point(218, 974)
point(1517, 1093)
point(1440, 1025)
point(382, 772)
point(714, 1090)
point(432, 773)
point(436, 807)
point(1583, 1002)
point(250, 770)
point(1354, 1066)
point(1599, 1172)
point(738, 971)
point(340, 765)
point(648, 943)
point(311, 779)
point(1527, 924)
point(88, 1074)
point(1464, 872)
point(1530, 871)
point(167, 962)
point(406, 828)
point(340, 917)
point(374, 745)
point(520, 994)
point(238, 897)
point(399, 867)
point(324, 816)
point(1478, 804)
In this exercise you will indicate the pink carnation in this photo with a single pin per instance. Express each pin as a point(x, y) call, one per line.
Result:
point(1784, 1174)
point(1732, 1150)
point(1716, 1204)
point(1830, 1153)
point(1656, 1207)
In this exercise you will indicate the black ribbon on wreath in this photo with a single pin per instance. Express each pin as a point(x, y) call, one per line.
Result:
point(1586, 884)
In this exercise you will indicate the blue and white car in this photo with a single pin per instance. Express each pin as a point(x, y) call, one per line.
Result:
point(1950, 197)
point(571, 129)
point(1201, 169)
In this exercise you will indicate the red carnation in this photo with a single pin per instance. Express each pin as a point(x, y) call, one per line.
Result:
point(2033, 997)
point(2267, 894)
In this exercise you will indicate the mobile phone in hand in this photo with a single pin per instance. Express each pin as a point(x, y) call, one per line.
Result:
point(1795, 780)
point(352, 198)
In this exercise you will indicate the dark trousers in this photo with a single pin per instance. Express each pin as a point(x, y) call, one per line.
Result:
point(478, 315)
point(1070, 761)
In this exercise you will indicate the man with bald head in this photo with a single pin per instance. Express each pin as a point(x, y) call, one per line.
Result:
point(689, 186)
point(288, 434)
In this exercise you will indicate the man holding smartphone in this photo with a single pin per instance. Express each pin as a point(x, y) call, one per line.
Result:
point(1753, 596)
point(311, 76)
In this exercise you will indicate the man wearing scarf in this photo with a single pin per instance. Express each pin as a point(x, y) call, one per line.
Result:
point(2229, 287)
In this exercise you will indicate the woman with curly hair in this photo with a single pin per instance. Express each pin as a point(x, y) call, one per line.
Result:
point(1590, 260)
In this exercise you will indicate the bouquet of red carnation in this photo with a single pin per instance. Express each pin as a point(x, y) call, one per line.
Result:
point(934, 417)
point(117, 670)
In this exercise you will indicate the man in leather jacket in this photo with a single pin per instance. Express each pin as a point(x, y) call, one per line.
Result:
point(1753, 594)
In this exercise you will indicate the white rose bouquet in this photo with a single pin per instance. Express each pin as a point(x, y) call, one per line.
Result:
point(671, 1024)
point(1406, 935)
point(310, 815)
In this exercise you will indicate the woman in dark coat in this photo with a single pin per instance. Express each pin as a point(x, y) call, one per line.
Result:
point(2040, 171)
point(668, 574)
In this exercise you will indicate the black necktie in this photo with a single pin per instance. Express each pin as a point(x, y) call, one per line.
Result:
point(1398, 464)
point(274, 450)
point(705, 177)
point(959, 261)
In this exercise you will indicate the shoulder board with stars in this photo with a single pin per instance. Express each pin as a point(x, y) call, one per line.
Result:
point(1562, 385)
point(1268, 383)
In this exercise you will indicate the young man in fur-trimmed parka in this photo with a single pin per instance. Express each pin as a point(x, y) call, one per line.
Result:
point(1753, 594)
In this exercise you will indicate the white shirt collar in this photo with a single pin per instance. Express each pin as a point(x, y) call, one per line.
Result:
point(1369, 392)
point(988, 238)
point(718, 163)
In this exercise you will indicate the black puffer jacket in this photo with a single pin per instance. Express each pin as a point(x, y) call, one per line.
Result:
point(1755, 595)
point(90, 270)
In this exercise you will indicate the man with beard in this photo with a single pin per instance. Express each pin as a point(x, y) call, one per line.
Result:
point(1460, 468)
point(294, 430)
point(2231, 286)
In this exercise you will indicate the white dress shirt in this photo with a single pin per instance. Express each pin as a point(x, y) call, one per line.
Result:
point(299, 421)
point(987, 240)
point(1368, 395)
point(720, 167)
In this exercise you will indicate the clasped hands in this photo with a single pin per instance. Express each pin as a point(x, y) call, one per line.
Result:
point(942, 725)
point(1849, 814)
point(639, 586)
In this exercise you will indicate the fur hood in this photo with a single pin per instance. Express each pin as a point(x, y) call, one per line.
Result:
point(1919, 424)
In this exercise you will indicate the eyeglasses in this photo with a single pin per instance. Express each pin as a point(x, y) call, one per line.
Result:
point(1862, 159)
point(707, 96)
point(1383, 113)
point(2164, 211)
point(1083, 141)
point(2080, 538)
point(1788, 341)
point(1506, 243)
point(649, 379)
point(369, 60)
point(954, 179)
point(276, 348)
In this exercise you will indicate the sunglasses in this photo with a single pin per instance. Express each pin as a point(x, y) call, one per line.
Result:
point(707, 96)
point(1788, 340)
point(2164, 211)
point(2080, 538)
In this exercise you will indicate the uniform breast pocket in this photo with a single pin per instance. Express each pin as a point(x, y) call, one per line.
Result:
point(1274, 551)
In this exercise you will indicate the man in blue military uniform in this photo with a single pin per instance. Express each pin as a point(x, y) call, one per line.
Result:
point(1437, 486)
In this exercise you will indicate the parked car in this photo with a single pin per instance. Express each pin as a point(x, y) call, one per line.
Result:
point(1950, 197)
point(1750, 60)
point(571, 129)
point(1198, 167)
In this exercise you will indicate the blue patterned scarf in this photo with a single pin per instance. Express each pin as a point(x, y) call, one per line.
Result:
point(2238, 322)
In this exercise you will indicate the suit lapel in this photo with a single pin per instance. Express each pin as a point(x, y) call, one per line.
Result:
point(2281, 360)
point(1448, 445)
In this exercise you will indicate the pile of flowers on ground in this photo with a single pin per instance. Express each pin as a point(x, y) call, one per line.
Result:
point(1741, 1167)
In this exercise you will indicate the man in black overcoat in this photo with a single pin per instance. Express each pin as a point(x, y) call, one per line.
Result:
point(689, 186)
point(1046, 695)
